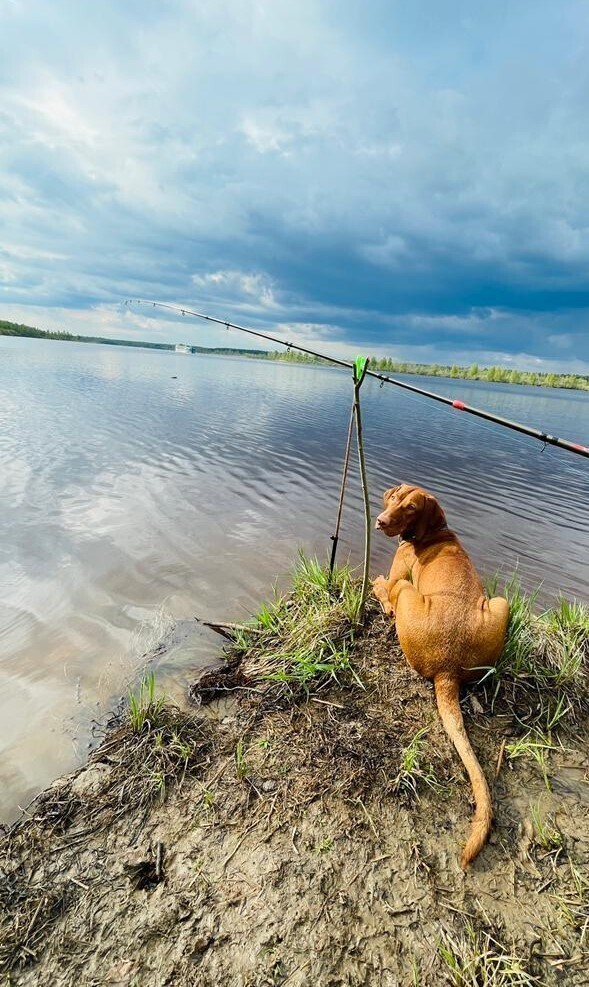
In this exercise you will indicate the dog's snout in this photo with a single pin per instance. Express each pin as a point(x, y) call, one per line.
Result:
point(381, 521)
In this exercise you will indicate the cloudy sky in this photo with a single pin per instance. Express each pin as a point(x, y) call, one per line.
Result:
point(406, 178)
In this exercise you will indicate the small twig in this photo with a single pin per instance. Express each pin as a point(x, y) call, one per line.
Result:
point(159, 858)
point(42, 901)
point(303, 966)
point(500, 758)
point(227, 630)
point(359, 802)
point(335, 536)
point(459, 911)
point(560, 961)
point(237, 846)
point(80, 884)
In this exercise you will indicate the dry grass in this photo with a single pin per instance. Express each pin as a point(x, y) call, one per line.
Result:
point(477, 958)
point(574, 900)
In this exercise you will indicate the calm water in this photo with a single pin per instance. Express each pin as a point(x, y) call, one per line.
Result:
point(130, 498)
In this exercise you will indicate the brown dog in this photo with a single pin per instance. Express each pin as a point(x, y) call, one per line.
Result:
point(448, 630)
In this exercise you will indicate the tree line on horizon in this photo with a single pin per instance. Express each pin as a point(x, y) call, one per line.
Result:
point(495, 374)
point(17, 329)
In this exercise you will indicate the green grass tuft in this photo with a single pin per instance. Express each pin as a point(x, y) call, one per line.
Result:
point(544, 669)
point(144, 707)
point(532, 746)
point(479, 959)
point(240, 761)
point(414, 770)
point(574, 900)
point(305, 637)
point(545, 834)
point(325, 845)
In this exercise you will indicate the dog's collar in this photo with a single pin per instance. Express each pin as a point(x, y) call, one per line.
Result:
point(409, 536)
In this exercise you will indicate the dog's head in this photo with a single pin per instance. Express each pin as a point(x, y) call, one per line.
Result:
point(410, 511)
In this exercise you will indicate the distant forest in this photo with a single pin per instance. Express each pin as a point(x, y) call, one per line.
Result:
point(16, 329)
point(498, 375)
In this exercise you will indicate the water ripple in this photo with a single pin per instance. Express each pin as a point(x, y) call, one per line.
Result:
point(125, 490)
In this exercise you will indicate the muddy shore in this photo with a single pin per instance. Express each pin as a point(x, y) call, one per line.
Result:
point(306, 830)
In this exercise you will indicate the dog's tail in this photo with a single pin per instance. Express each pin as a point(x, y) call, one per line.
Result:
point(447, 690)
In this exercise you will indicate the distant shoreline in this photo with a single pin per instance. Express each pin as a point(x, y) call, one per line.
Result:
point(30, 332)
point(493, 375)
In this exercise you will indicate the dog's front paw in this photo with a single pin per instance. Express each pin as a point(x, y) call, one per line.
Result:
point(380, 588)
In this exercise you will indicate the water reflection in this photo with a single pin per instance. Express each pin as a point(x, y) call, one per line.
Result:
point(125, 489)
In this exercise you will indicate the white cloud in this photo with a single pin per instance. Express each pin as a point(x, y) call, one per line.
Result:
point(324, 166)
point(250, 287)
point(564, 341)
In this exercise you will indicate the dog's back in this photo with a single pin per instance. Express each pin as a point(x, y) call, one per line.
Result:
point(448, 630)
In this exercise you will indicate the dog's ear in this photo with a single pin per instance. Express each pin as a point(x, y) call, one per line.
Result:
point(431, 517)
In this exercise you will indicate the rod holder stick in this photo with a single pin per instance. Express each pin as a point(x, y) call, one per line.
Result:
point(335, 536)
point(360, 368)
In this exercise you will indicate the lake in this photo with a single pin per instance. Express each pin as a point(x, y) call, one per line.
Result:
point(141, 487)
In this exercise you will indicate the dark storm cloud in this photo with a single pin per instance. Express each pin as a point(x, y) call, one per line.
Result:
point(399, 177)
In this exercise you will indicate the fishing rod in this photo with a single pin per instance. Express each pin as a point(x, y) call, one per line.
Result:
point(534, 433)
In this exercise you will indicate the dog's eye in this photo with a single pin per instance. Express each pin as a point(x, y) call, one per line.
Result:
point(411, 507)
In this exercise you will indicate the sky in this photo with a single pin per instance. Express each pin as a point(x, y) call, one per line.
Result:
point(404, 179)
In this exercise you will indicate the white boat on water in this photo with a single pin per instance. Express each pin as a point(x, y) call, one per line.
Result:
point(183, 348)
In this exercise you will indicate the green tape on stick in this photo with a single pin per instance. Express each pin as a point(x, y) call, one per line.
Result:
point(360, 368)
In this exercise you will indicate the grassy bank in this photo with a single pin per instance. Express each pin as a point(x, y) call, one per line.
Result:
point(301, 822)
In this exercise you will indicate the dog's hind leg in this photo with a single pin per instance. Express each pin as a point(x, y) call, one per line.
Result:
point(490, 634)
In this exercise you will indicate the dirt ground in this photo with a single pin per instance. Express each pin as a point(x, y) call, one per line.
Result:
point(267, 838)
